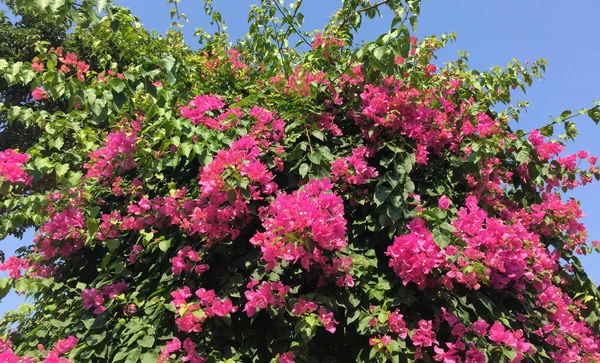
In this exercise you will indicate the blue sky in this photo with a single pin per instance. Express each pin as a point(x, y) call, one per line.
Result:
point(492, 32)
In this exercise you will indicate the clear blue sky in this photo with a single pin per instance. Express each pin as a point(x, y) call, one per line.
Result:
point(493, 32)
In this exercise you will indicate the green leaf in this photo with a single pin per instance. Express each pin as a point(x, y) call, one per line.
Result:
point(318, 134)
point(379, 52)
point(75, 177)
point(547, 130)
point(117, 85)
point(112, 244)
point(522, 156)
point(147, 341)
point(43, 165)
point(119, 100)
point(565, 114)
point(58, 143)
point(509, 353)
point(51, 64)
point(571, 129)
point(594, 114)
point(149, 357)
point(134, 355)
point(61, 169)
point(440, 238)
point(55, 5)
point(90, 96)
point(119, 267)
point(381, 194)
point(448, 227)
point(303, 170)
point(4, 286)
point(164, 245)
point(186, 148)
point(94, 339)
point(393, 212)
point(168, 62)
point(115, 25)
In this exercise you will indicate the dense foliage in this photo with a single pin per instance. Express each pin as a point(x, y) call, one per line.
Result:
point(257, 201)
point(18, 40)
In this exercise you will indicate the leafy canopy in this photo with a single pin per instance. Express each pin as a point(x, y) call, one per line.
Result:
point(263, 201)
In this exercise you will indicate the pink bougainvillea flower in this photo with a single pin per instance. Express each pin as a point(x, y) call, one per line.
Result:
point(267, 294)
point(414, 255)
point(38, 67)
point(286, 358)
point(327, 320)
point(114, 290)
point(11, 167)
point(65, 345)
point(444, 202)
point(39, 94)
point(92, 298)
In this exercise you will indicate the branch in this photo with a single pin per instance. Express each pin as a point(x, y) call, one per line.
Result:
point(560, 120)
point(376, 5)
point(291, 23)
point(362, 10)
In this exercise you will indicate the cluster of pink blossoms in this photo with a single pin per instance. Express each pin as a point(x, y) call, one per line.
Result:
point(70, 62)
point(564, 220)
point(302, 307)
point(232, 62)
point(158, 212)
point(391, 107)
point(267, 128)
point(423, 336)
point(11, 167)
point(503, 250)
point(93, 298)
point(13, 266)
point(234, 178)
point(63, 234)
point(116, 156)
point(461, 350)
point(39, 94)
point(545, 150)
point(567, 330)
point(498, 253)
point(241, 158)
point(201, 111)
point(267, 294)
point(62, 347)
point(497, 334)
point(513, 339)
point(414, 255)
point(222, 183)
point(212, 216)
point(302, 226)
point(487, 186)
point(184, 262)
point(327, 41)
point(531, 262)
point(550, 151)
point(193, 314)
point(286, 357)
point(175, 346)
point(353, 169)
point(397, 324)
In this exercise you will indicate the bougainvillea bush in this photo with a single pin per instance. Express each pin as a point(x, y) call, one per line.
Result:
point(261, 202)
